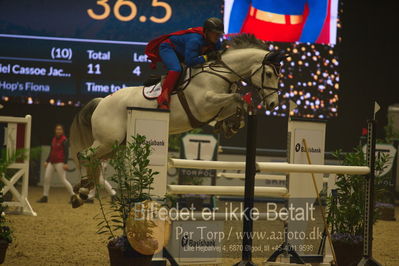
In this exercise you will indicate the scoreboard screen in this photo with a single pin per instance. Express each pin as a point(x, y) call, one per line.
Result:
point(67, 52)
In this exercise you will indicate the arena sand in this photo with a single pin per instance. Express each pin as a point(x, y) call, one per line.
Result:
point(60, 235)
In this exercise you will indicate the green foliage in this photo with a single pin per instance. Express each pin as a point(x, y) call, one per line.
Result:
point(9, 158)
point(133, 178)
point(93, 168)
point(346, 208)
point(6, 160)
point(170, 200)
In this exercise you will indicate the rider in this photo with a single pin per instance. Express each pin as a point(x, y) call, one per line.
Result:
point(193, 46)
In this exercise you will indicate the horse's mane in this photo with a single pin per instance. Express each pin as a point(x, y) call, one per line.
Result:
point(245, 40)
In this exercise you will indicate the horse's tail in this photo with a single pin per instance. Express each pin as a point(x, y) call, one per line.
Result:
point(81, 136)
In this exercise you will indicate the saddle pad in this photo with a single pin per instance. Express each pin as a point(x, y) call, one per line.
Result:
point(152, 92)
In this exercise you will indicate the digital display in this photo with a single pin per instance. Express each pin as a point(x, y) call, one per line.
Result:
point(308, 32)
point(67, 52)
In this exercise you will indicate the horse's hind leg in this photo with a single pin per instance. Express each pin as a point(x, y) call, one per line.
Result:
point(90, 160)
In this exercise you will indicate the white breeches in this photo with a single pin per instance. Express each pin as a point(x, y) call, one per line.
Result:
point(58, 167)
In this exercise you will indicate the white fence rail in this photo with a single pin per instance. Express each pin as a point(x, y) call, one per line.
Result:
point(278, 192)
point(271, 167)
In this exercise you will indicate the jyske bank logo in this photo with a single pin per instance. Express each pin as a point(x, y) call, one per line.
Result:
point(154, 142)
point(300, 148)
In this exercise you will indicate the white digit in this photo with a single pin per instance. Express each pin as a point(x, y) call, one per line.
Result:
point(64, 53)
point(57, 53)
point(90, 69)
point(98, 71)
point(93, 69)
point(137, 71)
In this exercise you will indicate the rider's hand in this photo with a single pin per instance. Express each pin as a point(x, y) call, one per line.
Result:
point(65, 166)
point(45, 164)
point(212, 55)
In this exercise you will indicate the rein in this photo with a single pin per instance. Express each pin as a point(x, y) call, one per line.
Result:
point(248, 80)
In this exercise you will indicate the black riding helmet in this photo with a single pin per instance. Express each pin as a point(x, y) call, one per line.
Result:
point(214, 24)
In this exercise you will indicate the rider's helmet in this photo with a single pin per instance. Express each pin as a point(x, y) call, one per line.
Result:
point(215, 25)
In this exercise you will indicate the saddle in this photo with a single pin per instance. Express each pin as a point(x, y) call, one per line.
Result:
point(152, 86)
point(152, 89)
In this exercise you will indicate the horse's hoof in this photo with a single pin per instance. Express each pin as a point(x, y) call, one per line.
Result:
point(83, 193)
point(83, 196)
point(76, 201)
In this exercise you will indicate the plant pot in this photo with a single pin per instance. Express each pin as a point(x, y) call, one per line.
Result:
point(130, 257)
point(147, 230)
point(3, 249)
point(348, 252)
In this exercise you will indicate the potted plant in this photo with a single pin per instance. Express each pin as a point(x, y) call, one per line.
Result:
point(346, 209)
point(130, 234)
point(5, 232)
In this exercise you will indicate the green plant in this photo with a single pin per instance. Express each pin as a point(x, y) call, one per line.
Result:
point(6, 160)
point(133, 178)
point(346, 206)
point(93, 169)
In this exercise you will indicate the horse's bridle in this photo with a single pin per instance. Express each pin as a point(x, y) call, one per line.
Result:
point(248, 81)
point(219, 62)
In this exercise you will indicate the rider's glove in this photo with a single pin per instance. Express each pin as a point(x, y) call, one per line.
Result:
point(212, 55)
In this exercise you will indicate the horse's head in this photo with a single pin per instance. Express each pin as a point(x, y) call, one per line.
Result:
point(265, 78)
point(264, 70)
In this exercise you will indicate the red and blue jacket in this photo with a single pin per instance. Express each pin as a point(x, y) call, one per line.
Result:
point(314, 22)
point(190, 45)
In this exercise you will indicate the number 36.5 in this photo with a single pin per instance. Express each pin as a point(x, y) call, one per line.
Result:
point(133, 10)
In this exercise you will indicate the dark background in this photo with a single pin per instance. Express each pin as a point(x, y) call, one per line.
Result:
point(368, 69)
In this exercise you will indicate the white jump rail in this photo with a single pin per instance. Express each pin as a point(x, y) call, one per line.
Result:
point(271, 167)
point(10, 119)
point(260, 177)
point(257, 177)
point(278, 192)
point(197, 164)
point(314, 168)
